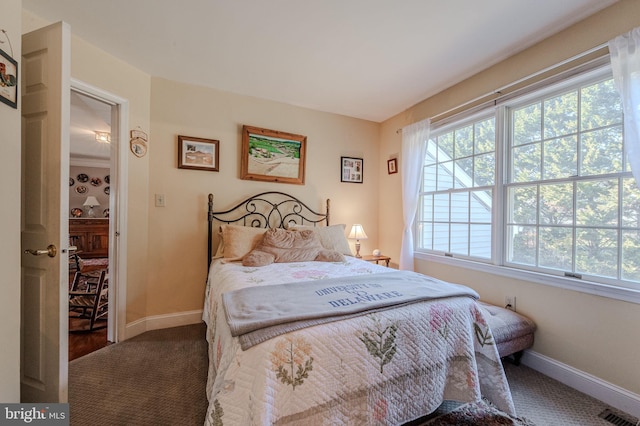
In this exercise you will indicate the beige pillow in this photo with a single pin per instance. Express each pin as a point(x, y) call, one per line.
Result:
point(284, 246)
point(219, 251)
point(331, 237)
point(240, 240)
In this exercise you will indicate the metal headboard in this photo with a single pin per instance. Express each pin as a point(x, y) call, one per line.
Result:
point(265, 210)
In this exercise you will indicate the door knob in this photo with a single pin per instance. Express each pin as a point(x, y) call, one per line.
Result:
point(50, 251)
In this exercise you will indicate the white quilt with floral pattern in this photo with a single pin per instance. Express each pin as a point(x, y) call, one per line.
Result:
point(385, 368)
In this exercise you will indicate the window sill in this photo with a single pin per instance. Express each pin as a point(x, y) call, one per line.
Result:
point(589, 287)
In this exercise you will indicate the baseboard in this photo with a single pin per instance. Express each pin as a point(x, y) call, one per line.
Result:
point(157, 322)
point(606, 392)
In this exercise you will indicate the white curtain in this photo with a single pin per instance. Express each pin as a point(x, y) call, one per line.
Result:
point(625, 62)
point(414, 147)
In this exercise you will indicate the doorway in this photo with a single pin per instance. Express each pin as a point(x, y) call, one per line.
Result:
point(90, 152)
point(97, 182)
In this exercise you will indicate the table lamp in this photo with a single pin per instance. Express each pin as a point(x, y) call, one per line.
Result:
point(357, 233)
point(91, 202)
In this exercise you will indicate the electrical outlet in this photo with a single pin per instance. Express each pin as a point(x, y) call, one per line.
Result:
point(510, 302)
point(160, 200)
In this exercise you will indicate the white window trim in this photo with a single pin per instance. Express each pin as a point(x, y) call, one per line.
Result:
point(596, 289)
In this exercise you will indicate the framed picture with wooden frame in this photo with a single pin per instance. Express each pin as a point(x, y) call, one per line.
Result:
point(8, 80)
point(351, 169)
point(392, 166)
point(272, 156)
point(198, 153)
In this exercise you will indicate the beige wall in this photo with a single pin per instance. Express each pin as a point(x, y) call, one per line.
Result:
point(167, 245)
point(10, 219)
point(103, 71)
point(177, 238)
point(593, 334)
point(93, 66)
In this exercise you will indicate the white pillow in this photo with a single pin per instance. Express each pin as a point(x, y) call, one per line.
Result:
point(331, 237)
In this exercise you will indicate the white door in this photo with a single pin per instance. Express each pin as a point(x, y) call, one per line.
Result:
point(44, 218)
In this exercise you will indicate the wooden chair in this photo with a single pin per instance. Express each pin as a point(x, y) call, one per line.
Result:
point(75, 262)
point(88, 299)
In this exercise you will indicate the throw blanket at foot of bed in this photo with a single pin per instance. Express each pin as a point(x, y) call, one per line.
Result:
point(256, 314)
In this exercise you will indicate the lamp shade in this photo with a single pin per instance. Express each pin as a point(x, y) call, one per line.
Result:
point(91, 201)
point(357, 232)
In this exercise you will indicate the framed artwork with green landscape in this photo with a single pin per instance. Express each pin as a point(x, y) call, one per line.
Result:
point(272, 156)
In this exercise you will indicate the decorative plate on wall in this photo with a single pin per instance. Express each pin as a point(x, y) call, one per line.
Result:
point(105, 212)
point(107, 190)
point(82, 177)
point(71, 181)
point(96, 181)
point(76, 212)
point(107, 179)
point(138, 147)
point(81, 189)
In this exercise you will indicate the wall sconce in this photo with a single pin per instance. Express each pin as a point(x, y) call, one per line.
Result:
point(103, 137)
point(357, 233)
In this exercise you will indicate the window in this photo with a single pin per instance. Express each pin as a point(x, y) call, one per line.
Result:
point(457, 190)
point(568, 204)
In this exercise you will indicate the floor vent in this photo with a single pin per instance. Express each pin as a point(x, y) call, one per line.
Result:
point(615, 419)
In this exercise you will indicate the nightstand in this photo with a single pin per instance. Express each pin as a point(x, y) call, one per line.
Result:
point(370, 258)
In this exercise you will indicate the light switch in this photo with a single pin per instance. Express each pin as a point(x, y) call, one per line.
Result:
point(160, 200)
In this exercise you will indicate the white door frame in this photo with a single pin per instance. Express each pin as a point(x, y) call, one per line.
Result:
point(118, 204)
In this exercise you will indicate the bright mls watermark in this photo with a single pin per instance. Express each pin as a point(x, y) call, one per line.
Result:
point(36, 414)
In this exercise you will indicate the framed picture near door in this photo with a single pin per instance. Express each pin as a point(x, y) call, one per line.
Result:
point(8, 80)
point(198, 153)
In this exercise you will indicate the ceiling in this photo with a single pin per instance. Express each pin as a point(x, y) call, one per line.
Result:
point(88, 116)
point(369, 59)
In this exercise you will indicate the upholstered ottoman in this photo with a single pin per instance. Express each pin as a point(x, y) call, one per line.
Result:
point(512, 332)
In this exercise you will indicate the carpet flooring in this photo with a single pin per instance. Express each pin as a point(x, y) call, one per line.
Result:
point(159, 378)
point(156, 378)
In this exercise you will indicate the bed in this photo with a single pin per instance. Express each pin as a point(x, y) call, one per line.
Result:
point(388, 365)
